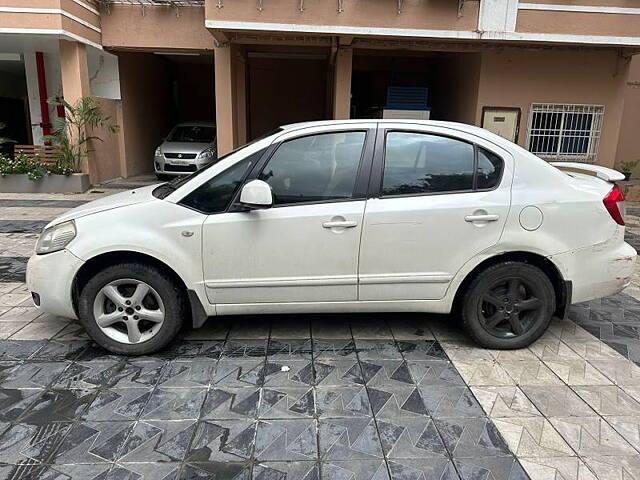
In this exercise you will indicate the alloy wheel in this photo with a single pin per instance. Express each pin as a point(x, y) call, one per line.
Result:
point(510, 307)
point(129, 311)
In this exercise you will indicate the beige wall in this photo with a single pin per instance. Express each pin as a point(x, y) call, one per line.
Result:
point(146, 108)
point(427, 14)
point(578, 23)
point(517, 78)
point(106, 159)
point(159, 28)
point(629, 143)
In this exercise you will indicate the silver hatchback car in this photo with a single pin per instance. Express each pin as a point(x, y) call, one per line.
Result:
point(188, 147)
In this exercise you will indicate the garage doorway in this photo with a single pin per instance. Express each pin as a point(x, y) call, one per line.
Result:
point(450, 79)
point(285, 88)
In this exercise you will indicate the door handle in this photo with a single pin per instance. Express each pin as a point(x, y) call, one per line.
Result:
point(481, 218)
point(340, 224)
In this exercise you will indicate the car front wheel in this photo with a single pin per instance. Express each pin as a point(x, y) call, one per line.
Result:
point(508, 305)
point(131, 308)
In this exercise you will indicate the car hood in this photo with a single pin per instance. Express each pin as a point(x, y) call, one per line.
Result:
point(184, 147)
point(118, 200)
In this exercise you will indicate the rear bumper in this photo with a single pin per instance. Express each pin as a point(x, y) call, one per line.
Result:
point(597, 271)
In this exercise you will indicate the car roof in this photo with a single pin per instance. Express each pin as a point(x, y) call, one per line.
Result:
point(460, 127)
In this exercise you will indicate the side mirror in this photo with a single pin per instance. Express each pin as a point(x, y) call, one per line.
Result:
point(256, 194)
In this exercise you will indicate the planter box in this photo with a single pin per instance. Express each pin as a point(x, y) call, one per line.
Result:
point(20, 183)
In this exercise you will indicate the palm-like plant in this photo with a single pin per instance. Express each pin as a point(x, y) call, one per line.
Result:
point(74, 132)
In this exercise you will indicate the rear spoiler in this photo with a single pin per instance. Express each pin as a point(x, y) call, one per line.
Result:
point(606, 174)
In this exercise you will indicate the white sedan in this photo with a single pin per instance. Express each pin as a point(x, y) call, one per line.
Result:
point(343, 216)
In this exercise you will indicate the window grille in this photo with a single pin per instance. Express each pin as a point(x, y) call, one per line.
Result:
point(566, 132)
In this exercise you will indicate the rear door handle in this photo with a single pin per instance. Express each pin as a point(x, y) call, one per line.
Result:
point(340, 224)
point(481, 218)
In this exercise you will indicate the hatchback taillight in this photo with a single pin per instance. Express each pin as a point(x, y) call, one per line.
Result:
point(614, 203)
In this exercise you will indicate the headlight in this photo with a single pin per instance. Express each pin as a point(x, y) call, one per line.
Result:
point(56, 237)
point(208, 153)
point(158, 152)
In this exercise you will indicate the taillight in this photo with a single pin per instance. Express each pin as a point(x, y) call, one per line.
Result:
point(614, 203)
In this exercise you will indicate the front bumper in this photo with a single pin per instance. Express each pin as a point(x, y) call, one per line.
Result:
point(163, 166)
point(597, 271)
point(51, 277)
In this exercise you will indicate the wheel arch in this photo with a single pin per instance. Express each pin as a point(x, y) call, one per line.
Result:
point(104, 260)
point(561, 287)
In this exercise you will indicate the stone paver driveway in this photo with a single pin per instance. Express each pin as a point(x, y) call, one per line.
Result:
point(309, 397)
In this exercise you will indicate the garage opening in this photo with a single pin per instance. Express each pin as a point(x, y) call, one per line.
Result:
point(159, 91)
point(421, 85)
point(286, 87)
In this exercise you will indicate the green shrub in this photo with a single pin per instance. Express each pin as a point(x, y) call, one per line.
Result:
point(34, 168)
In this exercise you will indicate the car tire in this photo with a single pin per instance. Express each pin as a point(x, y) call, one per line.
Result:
point(163, 291)
point(508, 305)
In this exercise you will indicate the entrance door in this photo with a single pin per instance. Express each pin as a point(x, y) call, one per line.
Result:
point(436, 210)
point(304, 248)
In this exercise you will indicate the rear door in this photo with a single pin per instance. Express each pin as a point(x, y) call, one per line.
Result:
point(438, 197)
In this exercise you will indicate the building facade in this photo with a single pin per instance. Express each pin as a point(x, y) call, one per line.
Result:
point(556, 76)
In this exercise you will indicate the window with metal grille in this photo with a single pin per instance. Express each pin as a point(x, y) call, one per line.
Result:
point(565, 131)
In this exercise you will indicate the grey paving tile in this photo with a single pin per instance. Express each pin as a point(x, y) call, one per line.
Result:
point(360, 470)
point(557, 401)
point(118, 404)
point(614, 467)
point(498, 468)
point(434, 372)
point(377, 350)
point(289, 349)
point(216, 471)
point(341, 372)
point(87, 375)
point(15, 402)
point(532, 437)
point(145, 470)
point(405, 327)
point(287, 402)
point(60, 405)
point(410, 437)
point(330, 327)
point(288, 373)
point(471, 437)
point(628, 427)
point(251, 348)
point(240, 372)
point(609, 400)
point(505, 402)
point(174, 404)
point(397, 401)
point(343, 402)
point(590, 436)
point(284, 470)
point(29, 471)
point(222, 441)
point(29, 443)
point(298, 327)
point(373, 327)
point(457, 401)
point(156, 441)
point(30, 374)
point(566, 468)
point(429, 467)
point(334, 349)
point(421, 350)
point(225, 403)
point(388, 374)
point(287, 440)
point(354, 438)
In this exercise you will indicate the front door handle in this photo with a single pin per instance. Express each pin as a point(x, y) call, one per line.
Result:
point(481, 218)
point(340, 224)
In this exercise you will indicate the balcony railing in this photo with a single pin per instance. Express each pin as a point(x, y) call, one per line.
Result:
point(171, 3)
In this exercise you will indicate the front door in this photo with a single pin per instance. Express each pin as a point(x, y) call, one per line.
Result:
point(305, 247)
point(440, 202)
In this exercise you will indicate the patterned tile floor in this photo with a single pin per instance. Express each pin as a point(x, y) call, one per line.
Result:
point(315, 396)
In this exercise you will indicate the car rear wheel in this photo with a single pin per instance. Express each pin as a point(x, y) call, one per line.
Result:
point(508, 305)
point(131, 308)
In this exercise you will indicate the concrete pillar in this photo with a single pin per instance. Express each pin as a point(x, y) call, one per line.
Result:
point(224, 88)
point(342, 84)
point(74, 69)
point(240, 103)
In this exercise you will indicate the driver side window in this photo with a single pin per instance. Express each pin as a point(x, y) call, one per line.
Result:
point(315, 168)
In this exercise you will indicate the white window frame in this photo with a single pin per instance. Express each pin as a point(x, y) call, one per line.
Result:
point(551, 150)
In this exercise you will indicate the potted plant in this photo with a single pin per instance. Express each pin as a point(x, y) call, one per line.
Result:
point(627, 168)
point(31, 173)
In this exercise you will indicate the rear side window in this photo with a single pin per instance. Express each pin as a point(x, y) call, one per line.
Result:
point(420, 163)
point(489, 169)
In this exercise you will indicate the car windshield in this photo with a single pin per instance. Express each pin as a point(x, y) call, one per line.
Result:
point(192, 134)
